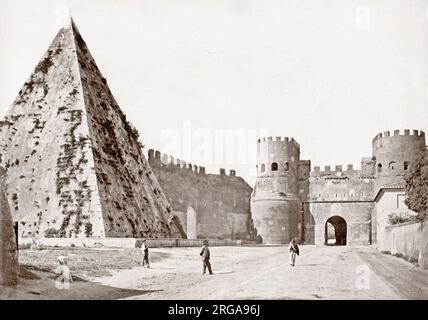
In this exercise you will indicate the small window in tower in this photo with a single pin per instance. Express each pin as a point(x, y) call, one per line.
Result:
point(391, 165)
point(286, 166)
point(274, 166)
point(262, 168)
point(406, 165)
point(379, 167)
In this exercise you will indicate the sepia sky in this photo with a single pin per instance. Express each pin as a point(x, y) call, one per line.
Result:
point(331, 74)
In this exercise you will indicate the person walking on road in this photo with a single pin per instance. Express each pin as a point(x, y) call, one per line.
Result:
point(205, 254)
point(294, 250)
point(145, 249)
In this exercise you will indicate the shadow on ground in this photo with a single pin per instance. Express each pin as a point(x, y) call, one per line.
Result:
point(36, 284)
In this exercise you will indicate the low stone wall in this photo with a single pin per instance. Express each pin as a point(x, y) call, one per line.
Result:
point(126, 242)
point(408, 239)
point(159, 243)
point(79, 242)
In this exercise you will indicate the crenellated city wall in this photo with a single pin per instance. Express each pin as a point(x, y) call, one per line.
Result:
point(215, 206)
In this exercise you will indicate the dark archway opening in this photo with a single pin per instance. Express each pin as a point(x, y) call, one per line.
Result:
point(336, 231)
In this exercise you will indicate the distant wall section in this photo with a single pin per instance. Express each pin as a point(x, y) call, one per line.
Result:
point(215, 206)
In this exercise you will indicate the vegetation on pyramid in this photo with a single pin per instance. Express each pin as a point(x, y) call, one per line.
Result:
point(75, 164)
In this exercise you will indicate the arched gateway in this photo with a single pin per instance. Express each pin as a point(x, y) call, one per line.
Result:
point(336, 231)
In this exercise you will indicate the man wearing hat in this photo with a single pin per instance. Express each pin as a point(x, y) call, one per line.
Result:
point(205, 254)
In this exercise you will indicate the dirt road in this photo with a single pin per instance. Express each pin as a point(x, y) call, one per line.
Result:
point(264, 273)
point(406, 280)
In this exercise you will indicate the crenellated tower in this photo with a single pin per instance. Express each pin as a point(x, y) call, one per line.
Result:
point(275, 201)
point(393, 153)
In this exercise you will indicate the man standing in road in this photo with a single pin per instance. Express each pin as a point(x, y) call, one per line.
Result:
point(294, 250)
point(145, 249)
point(205, 254)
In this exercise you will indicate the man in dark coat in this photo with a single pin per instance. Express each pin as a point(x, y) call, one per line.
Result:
point(205, 254)
point(294, 250)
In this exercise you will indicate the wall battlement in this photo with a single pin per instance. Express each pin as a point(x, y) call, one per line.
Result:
point(279, 140)
point(367, 170)
point(418, 134)
point(160, 159)
point(338, 170)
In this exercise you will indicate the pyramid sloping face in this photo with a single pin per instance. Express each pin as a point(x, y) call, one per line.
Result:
point(75, 166)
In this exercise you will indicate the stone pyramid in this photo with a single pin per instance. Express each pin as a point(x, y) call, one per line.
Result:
point(75, 164)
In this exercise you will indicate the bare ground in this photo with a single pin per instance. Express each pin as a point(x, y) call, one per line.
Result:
point(406, 279)
point(321, 272)
point(264, 273)
point(37, 279)
point(40, 285)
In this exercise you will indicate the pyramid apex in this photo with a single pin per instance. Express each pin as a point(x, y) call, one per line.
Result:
point(63, 17)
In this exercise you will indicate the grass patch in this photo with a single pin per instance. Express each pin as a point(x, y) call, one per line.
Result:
point(412, 260)
point(86, 262)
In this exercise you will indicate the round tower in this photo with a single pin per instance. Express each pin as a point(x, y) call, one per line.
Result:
point(394, 152)
point(275, 204)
